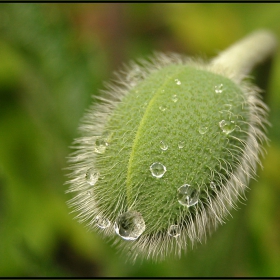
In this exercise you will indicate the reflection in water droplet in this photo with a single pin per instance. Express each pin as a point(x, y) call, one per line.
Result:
point(227, 126)
point(187, 195)
point(173, 231)
point(163, 146)
point(181, 144)
point(202, 129)
point(92, 176)
point(162, 108)
point(174, 98)
point(219, 88)
point(102, 222)
point(100, 145)
point(130, 225)
point(157, 169)
point(178, 82)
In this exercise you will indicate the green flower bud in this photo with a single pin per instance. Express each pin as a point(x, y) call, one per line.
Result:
point(170, 149)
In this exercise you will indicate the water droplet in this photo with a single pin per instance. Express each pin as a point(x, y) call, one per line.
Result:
point(178, 82)
point(100, 145)
point(219, 88)
point(202, 129)
point(92, 176)
point(130, 225)
point(102, 222)
point(227, 126)
point(174, 98)
point(88, 193)
point(163, 90)
point(162, 108)
point(157, 169)
point(163, 146)
point(181, 144)
point(212, 185)
point(173, 231)
point(187, 195)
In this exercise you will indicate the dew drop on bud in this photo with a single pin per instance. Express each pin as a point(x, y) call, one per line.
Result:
point(157, 169)
point(163, 146)
point(92, 176)
point(227, 126)
point(130, 225)
point(219, 88)
point(173, 231)
point(102, 222)
point(202, 129)
point(187, 195)
point(181, 144)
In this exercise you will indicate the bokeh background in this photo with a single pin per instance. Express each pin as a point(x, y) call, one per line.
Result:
point(53, 58)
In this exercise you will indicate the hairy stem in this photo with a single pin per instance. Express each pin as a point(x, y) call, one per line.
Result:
point(238, 60)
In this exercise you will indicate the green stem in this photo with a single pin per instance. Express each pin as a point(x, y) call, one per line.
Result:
point(238, 60)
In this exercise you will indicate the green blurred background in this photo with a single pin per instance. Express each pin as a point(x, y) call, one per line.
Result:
point(53, 57)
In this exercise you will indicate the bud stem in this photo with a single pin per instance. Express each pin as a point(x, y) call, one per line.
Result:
point(238, 60)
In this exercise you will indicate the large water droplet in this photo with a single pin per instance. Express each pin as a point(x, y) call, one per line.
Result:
point(202, 129)
point(181, 144)
point(174, 98)
point(187, 195)
point(92, 176)
point(130, 225)
point(178, 82)
point(100, 145)
point(173, 231)
point(157, 169)
point(162, 108)
point(219, 88)
point(227, 126)
point(102, 222)
point(163, 146)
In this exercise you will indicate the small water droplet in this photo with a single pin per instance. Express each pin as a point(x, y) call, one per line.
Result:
point(92, 176)
point(163, 90)
point(130, 225)
point(173, 231)
point(202, 129)
point(219, 88)
point(162, 108)
point(174, 98)
point(181, 144)
point(157, 169)
point(102, 222)
point(212, 185)
point(187, 195)
point(100, 145)
point(227, 126)
point(178, 82)
point(163, 146)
